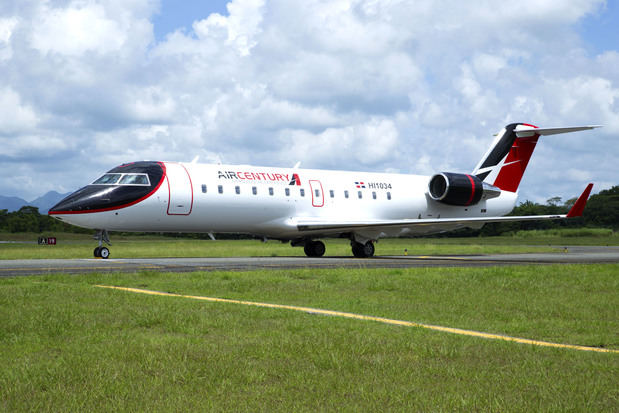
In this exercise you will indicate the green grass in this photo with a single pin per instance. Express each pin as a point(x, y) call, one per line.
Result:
point(69, 346)
point(81, 246)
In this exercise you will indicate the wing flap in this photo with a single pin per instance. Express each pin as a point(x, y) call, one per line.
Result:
point(344, 226)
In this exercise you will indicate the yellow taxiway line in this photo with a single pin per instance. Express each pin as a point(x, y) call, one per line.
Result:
point(310, 310)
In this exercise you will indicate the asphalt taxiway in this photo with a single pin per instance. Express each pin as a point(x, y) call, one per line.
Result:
point(584, 255)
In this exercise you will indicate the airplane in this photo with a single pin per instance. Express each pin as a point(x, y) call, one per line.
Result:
point(302, 206)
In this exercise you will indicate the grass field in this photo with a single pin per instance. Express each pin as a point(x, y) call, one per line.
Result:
point(81, 245)
point(66, 345)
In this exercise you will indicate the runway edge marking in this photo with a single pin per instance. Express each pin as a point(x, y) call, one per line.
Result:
point(311, 310)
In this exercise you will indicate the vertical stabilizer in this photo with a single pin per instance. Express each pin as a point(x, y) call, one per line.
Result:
point(505, 162)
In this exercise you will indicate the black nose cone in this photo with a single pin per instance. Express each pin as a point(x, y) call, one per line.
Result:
point(89, 198)
point(102, 197)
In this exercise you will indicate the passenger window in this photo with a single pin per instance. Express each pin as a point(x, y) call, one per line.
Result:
point(345, 194)
point(220, 189)
point(254, 190)
point(302, 191)
point(271, 191)
point(331, 193)
point(359, 194)
point(373, 195)
point(389, 195)
point(317, 193)
point(287, 190)
point(203, 189)
point(237, 189)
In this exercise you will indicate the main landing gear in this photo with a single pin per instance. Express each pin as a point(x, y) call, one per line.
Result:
point(317, 248)
point(360, 250)
point(314, 248)
point(101, 251)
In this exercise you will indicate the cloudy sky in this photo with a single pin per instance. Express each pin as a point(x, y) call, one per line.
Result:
point(374, 85)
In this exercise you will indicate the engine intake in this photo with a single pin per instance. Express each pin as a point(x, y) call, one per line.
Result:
point(460, 189)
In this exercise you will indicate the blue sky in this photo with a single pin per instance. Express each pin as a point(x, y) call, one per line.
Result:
point(600, 30)
point(410, 87)
point(174, 15)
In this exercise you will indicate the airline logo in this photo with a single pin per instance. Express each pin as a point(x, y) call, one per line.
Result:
point(295, 180)
point(360, 184)
point(260, 176)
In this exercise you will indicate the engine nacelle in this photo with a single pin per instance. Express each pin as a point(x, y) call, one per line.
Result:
point(460, 189)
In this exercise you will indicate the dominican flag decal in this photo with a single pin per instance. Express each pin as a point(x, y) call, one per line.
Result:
point(360, 184)
point(295, 180)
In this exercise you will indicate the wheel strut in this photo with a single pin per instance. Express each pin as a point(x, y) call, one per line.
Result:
point(101, 251)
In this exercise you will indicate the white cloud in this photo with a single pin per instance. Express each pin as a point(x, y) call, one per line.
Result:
point(75, 30)
point(15, 117)
point(6, 30)
point(348, 84)
point(369, 143)
point(587, 98)
point(239, 29)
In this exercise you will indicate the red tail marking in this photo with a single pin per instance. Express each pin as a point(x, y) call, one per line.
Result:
point(516, 162)
point(579, 205)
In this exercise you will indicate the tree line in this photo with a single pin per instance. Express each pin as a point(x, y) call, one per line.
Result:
point(602, 211)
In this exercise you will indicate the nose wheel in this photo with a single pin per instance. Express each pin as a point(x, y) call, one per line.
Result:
point(101, 251)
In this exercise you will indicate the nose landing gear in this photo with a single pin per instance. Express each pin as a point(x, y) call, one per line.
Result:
point(101, 251)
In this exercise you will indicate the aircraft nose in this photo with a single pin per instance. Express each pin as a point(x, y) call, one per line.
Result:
point(68, 204)
point(86, 199)
point(120, 187)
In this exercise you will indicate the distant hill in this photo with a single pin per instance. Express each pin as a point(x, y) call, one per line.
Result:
point(12, 203)
point(44, 203)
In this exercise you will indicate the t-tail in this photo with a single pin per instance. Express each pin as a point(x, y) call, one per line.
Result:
point(504, 164)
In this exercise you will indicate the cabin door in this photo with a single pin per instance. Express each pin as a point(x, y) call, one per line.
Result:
point(181, 190)
point(318, 196)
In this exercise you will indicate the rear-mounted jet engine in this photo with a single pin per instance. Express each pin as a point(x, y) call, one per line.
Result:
point(460, 189)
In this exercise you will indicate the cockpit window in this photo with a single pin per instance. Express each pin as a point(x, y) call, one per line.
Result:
point(107, 179)
point(134, 179)
point(123, 179)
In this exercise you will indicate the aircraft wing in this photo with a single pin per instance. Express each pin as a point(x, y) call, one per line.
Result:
point(344, 226)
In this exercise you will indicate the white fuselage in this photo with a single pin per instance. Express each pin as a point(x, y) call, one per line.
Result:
point(270, 202)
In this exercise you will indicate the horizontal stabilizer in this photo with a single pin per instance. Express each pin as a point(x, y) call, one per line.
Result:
point(524, 133)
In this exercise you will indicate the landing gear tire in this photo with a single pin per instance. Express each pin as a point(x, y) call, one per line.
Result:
point(363, 250)
point(314, 249)
point(101, 252)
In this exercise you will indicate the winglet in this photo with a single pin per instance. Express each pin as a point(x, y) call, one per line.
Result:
point(579, 205)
